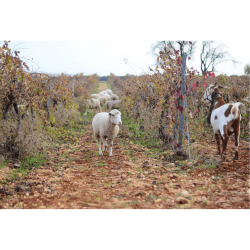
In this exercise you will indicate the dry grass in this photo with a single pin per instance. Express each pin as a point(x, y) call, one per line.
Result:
point(32, 139)
point(31, 144)
point(26, 143)
point(81, 103)
point(64, 116)
point(2, 159)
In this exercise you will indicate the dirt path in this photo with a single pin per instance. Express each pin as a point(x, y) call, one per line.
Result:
point(93, 181)
point(75, 176)
point(102, 86)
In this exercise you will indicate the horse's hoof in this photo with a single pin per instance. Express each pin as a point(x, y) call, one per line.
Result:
point(223, 157)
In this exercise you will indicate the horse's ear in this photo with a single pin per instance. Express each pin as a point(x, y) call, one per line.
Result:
point(216, 84)
point(223, 87)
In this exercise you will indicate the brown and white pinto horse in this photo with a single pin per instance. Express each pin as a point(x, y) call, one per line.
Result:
point(224, 117)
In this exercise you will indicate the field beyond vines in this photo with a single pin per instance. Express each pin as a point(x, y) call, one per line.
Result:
point(73, 175)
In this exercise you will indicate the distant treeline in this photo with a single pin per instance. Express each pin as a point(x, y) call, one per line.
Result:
point(105, 78)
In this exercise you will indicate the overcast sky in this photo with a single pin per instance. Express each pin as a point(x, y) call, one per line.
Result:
point(103, 57)
point(96, 37)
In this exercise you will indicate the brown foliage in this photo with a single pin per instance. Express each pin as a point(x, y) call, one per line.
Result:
point(153, 100)
point(20, 86)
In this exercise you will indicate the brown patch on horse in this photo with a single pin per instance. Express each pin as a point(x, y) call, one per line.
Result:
point(234, 110)
point(228, 111)
point(220, 102)
point(227, 127)
point(215, 118)
point(217, 97)
point(217, 91)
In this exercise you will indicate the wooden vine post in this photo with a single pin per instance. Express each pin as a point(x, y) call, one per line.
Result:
point(182, 103)
point(49, 104)
point(73, 88)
